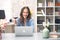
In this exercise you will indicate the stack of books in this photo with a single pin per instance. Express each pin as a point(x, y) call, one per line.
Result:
point(50, 4)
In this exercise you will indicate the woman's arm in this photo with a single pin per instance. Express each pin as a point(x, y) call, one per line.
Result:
point(32, 24)
point(18, 22)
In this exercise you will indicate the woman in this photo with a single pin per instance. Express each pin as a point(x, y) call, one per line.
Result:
point(25, 18)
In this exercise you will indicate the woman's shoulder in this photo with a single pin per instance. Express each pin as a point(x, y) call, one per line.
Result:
point(31, 20)
point(18, 19)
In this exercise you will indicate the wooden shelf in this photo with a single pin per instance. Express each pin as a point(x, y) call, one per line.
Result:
point(49, 6)
point(40, 15)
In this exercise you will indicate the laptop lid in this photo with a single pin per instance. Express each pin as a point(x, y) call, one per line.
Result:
point(23, 30)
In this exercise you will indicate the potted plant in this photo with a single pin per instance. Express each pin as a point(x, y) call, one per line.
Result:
point(46, 30)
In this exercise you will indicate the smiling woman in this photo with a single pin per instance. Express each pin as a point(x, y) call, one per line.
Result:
point(25, 15)
point(25, 18)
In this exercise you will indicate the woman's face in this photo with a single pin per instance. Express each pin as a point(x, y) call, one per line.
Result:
point(25, 13)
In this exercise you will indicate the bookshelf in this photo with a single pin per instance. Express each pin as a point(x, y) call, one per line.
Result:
point(40, 14)
point(48, 9)
point(57, 15)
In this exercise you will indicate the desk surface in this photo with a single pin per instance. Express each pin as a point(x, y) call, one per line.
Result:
point(36, 36)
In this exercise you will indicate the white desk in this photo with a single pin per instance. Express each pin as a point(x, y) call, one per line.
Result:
point(36, 36)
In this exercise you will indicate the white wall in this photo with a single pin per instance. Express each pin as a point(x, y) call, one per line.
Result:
point(18, 4)
point(6, 5)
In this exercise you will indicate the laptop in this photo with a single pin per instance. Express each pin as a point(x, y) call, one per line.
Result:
point(23, 31)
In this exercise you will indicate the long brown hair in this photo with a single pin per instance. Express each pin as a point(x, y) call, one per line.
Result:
point(21, 14)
